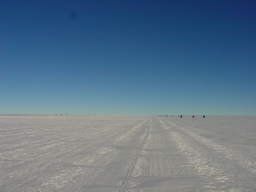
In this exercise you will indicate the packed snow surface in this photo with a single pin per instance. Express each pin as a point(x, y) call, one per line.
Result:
point(127, 154)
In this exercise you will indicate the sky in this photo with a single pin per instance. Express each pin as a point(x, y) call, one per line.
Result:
point(127, 57)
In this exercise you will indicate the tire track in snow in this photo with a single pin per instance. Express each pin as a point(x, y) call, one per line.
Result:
point(46, 159)
point(244, 162)
point(213, 162)
point(164, 168)
point(217, 177)
point(92, 165)
point(157, 169)
point(134, 168)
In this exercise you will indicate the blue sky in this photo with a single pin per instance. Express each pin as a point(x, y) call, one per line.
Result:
point(128, 57)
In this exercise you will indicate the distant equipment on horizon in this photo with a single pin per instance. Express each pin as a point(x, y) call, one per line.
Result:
point(193, 116)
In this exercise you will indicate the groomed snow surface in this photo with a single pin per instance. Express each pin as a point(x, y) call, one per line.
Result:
point(127, 153)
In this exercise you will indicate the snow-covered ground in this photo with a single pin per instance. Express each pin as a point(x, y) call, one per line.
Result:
point(127, 153)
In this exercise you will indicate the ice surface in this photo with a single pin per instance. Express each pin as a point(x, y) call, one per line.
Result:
point(127, 153)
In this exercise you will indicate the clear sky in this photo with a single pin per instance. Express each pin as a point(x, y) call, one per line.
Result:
point(128, 56)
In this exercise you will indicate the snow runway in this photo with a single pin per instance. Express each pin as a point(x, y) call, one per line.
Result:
point(127, 153)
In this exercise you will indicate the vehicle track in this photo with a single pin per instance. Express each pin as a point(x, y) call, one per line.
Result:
point(161, 167)
point(60, 162)
point(230, 154)
point(127, 183)
point(89, 165)
point(223, 173)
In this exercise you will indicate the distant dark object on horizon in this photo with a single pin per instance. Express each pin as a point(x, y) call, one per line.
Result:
point(193, 116)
